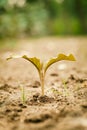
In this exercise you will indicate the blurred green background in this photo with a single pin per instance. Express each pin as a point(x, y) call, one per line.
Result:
point(20, 18)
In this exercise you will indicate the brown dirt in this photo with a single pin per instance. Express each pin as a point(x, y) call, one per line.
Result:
point(64, 105)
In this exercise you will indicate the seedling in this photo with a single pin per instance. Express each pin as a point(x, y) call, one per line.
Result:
point(65, 87)
point(43, 67)
point(23, 96)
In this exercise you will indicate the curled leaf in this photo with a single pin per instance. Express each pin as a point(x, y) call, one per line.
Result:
point(59, 58)
point(35, 61)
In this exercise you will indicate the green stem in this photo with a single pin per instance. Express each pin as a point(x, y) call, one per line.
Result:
point(23, 94)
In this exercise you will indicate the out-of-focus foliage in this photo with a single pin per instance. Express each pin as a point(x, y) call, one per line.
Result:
point(40, 17)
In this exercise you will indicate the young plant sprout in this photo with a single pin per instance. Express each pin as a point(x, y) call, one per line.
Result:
point(43, 67)
point(23, 96)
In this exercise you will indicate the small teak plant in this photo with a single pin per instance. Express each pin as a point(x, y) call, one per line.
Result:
point(43, 67)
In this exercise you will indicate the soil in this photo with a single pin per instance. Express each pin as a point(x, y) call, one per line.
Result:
point(64, 105)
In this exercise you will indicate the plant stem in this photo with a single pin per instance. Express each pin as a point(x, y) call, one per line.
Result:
point(23, 94)
point(42, 82)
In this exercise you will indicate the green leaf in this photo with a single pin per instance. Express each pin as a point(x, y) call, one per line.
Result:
point(59, 58)
point(35, 61)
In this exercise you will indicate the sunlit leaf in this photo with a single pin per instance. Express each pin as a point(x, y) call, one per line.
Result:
point(14, 57)
point(59, 58)
point(35, 61)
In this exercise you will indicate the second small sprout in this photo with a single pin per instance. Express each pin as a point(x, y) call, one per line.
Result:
point(23, 95)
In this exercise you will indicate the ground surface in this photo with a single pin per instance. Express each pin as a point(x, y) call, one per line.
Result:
point(64, 106)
